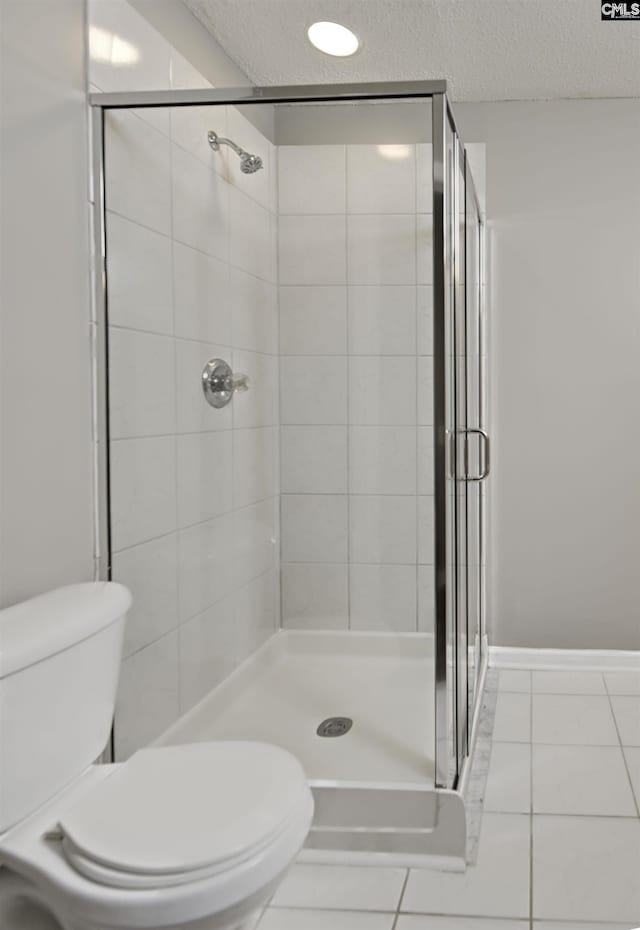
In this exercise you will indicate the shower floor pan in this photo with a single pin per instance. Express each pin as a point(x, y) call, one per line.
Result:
point(374, 784)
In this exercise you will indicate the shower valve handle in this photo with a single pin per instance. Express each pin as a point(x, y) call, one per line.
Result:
point(219, 383)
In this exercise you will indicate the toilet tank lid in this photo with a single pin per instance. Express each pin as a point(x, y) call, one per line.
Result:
point(45, 625)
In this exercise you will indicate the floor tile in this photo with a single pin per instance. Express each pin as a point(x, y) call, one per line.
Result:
point(632, 755)
point(571, 719)
point(497, 886)
point(581, 780)
point(298, 919)
point(422, 922)
point(586, 868)
point(627, 712)
point(567, 682)
point(513, 718)
point(514, 679)
point(509, 781)
point(343, 887)
point(622, 682)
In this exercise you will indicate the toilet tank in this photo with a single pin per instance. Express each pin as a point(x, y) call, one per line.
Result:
point(59, 662)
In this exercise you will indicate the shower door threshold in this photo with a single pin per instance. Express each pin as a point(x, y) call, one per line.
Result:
point(357, 710)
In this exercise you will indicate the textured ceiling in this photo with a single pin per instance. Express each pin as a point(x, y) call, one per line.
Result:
point(486, 49)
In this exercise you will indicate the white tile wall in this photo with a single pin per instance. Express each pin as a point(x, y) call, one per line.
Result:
point(207, 651)
point(311, 179)
point(382, 460)
point(148, 695)
point(313, 320)
point(383, 597)
point(140, 403)
point(205, 466)
point(255, 541)
point(382, 179)
point(356, 311)
point(314, 528)
point(254, 306)
point(382, 390)
point(254, 465)
point(140, 292)
point(313, 459)
point(149, 569)
point(202, 299)
point(315, 596)
point(313, 390)
point(312, 249)
point(143, 490)
point(138, 171)
point(382, 320)
point(192, 275)
point(382, 529)
point(382, 249)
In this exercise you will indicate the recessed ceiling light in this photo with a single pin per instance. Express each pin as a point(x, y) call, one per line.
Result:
point(333, 39)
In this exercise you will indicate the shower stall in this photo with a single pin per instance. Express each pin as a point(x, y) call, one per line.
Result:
point(292, 438)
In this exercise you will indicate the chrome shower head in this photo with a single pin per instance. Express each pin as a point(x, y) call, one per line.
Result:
point(249, 164)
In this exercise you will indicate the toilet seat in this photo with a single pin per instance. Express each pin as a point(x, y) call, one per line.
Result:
point(178, 814)
point(34, 853)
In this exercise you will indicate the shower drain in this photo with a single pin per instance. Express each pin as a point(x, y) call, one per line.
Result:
point(335, 726)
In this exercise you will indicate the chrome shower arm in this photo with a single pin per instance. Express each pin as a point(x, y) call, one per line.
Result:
point(248, 163)
point(215, 141)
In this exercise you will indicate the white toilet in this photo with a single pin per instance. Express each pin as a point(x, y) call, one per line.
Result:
point(193, 837)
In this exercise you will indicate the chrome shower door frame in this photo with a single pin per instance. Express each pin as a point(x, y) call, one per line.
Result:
point(435, 93)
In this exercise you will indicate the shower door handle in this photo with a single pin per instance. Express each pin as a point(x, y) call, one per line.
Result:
point(486, 457)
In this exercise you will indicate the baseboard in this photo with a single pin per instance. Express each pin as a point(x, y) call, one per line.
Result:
point(585, 660)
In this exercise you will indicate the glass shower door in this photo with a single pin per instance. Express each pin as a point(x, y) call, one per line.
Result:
point(476, 438)
point(461, 390)
point(460, 448)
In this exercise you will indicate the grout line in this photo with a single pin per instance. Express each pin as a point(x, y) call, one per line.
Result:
point(274, 167)
point(531, 806)
point(566, 814)
point(330, 910)
point(348, 375)
point(357, 214)
point(177, 530)
point(198, 432)
point(194, 248)
point(400, 900)
point(219, 346)
point(455, 915)
point(176, 567)
point(418, 459)
point(181, 623)
point(559, 745)
point(636, 801)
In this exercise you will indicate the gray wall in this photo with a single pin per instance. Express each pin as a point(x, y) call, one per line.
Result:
point(563, 201)
point(46, 521)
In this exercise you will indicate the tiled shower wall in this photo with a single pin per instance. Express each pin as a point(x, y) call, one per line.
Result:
point(356, 371)
point(192, 270)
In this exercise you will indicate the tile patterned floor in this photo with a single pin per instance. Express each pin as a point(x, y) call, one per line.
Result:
point(560, 837)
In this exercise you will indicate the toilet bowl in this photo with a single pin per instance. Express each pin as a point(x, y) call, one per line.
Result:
point(189, 837)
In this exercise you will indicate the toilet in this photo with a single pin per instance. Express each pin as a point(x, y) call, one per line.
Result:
point(191, 837)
